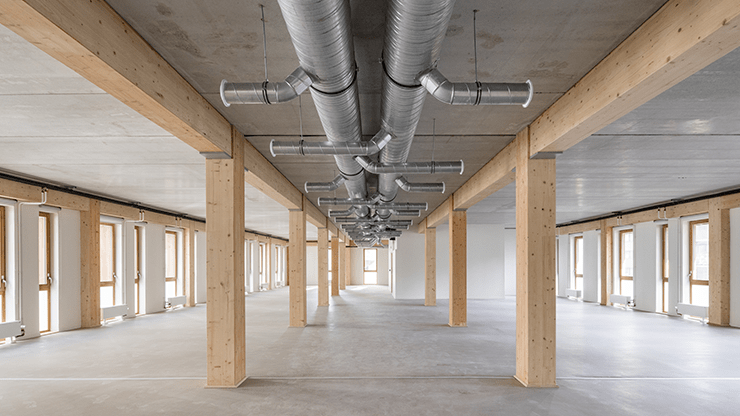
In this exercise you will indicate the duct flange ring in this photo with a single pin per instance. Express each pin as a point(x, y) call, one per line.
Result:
point(531, 94)
point(222, 91)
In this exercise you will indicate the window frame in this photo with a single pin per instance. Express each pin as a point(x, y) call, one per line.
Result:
point(365, 270)
point(623, 277)
point(665, 272)
point(3, 264)
point(112, 282)
point(47, 286)
point(693, 281)
point(577, 276)
point(137, 268)
point(177, 260)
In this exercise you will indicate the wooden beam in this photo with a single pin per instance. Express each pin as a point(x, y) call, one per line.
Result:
point(267, 179)
point(335, 266)
point(719, 264)
point(430, 267)
point(492, 177)
point(458, 268)
point(323, 277)
point(677, 41)
point(332, 228)
point(535, 268)
point(93, 40)
point(90, 265)
point(606, 263)
point(440, 215)
point(297, 268)
point(225, 313)
point(313, 215)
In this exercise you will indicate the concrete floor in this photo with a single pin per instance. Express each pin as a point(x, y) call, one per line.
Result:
point(370, 354)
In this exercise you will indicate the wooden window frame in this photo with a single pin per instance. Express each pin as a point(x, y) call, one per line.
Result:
point(622, 277)
point(177, 262)
point(137, 268)
point(3, 264)
point(575, 262)
point(47, 286)
point(112, 283)
point(364, 264)
point(665, 273)
point(693, 281)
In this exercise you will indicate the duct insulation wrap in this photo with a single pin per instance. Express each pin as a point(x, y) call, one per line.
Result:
point(331, 148)
point(420, 187)
point(476, 93)
point(324, 186)
point(265, 92)
point(412, 167)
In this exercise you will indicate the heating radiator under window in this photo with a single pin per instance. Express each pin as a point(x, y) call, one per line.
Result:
point(10, 329)
point(620, 299)
point(573, 293)
point(176, 301)
point(114, 311)
point(692, 310)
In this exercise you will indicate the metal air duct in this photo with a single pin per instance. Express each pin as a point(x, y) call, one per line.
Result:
point(412, 167)
point(419, 187)
point(265, 92)
point(324, 186)
point(332, 148)
point(476, 93)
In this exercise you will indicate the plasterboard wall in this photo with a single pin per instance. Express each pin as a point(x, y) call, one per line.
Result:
point(591, 265)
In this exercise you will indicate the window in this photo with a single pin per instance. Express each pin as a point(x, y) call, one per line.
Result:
point(699, 262)
point(137, 269)
point(329, 265)
point(3, 266)
point(107, 265)
point(578, 253)
point(370, 266)
point(263, 262)
point(45, 278)
point(626, 262)
point(170, 256)
point(664, 265)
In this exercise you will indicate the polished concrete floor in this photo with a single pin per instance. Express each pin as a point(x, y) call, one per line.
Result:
point(370, 354)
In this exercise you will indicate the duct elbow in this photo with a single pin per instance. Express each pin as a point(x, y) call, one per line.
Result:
point(265, 92)
point(324, 186)
point(420, 187)
point(476, 93)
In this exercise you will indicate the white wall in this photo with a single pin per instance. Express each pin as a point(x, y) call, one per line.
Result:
point(409, 282)
point(509, 262)
point(356, 266)
point(591, 266)
point(29, 263)
point(68, 288)
point(154, 284)
point(645, 278)
point(129, 267)
point(201, 285)
point(312, 265)
point(735, 267)
point(564, 268)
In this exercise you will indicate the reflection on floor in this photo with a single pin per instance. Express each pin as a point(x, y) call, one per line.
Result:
point(370, 354)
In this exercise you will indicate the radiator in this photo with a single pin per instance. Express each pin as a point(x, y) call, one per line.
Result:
point(692, 310)
point(10, 329)
point(573, 293)
point(114, 311)
point(620, 299)
point(176, 301)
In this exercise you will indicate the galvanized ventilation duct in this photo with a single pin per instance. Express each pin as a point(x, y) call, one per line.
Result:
point(331, 148)
point(419, 187)
point(414, 167)
point(265, 92)
point(324, 186)
point(476, 93)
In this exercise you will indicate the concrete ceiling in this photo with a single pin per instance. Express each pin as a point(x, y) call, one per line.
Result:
point(56, 125)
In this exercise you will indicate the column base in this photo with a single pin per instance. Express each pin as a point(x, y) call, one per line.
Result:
point(228, 387)
point(531, 386)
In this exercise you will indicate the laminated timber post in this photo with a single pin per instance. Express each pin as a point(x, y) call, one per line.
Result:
point(335, 265)
point(535, 267)
point(341, 272)
point(90, 265)
point(225, 311)
point(719, 264)
point(606, 262)
point(347, 264)
point(189, 239)
point(458, 267)
point(430, 266)
point(323, 250)
point(297, 267)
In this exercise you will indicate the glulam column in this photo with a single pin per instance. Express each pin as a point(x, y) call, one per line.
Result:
point(458, 268)
point(430, 267)
point(347, 264)
point(297, 268)
point(606, 262)
point(225, 308)
point(535, 267)
point(335, 266)
point(719, 264)
point(90, 265)
point(323, 266)
point(342, 272)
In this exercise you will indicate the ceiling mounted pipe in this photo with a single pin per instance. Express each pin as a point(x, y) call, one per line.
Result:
point(407, 213)
point(420, 187)
point(323, 201)
point(476, 93)
point(265, 92)
point(345, 213)
point(410, 167)
point(390, 223)
point(375, 145)
point(324, 186)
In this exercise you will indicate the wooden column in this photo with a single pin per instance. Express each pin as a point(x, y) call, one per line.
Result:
point(189, 240)
point(268, 264)
point(225, 267)
point(341, 273)
point(335, 266)
point(297, 268)
point(430, 267)
point(535, 267)
point(90, 265)
point(606, 263)
point(719, 263)
point(323, 250)
point(458, 268)
point(347, 264)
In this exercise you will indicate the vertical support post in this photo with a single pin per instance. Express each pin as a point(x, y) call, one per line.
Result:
point(90, 265)
point(323, 250)
point(347, 264)
point(430, 266)
point(297, 268)
point(189, 237)
point(458, 268)
point(225, 312)
point(606, 263)
point(719, 263)
point(342, 260)
point(335, 266)
point(535, 268)
point(268, 265)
